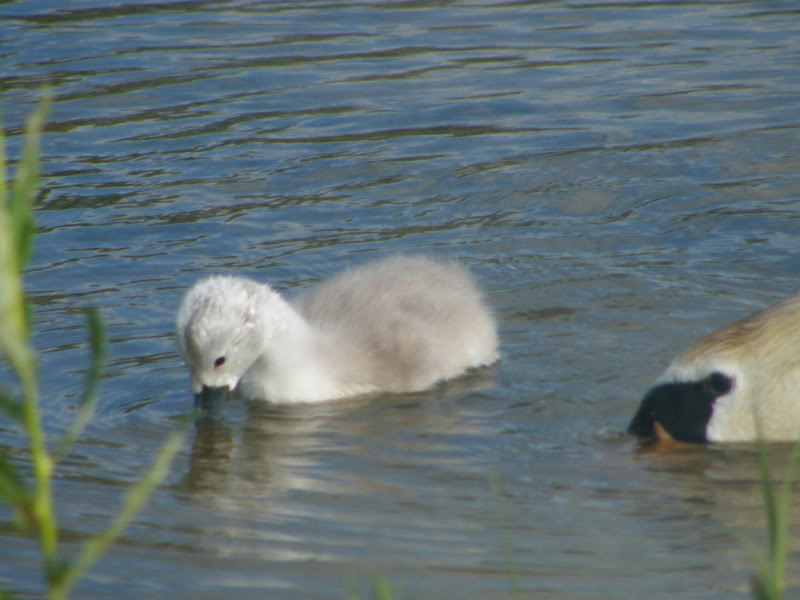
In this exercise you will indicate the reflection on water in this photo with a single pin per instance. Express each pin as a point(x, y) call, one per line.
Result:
point(621, 178)
point(271, 450)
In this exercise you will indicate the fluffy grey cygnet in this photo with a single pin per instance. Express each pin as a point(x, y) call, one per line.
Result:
point(400, 324)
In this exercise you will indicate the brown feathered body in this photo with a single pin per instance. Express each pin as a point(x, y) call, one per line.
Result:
point(760, 354)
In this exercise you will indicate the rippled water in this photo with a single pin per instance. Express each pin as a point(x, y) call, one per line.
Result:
point(621, 177)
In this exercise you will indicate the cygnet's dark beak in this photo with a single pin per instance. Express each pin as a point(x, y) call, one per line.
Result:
point(211, 400)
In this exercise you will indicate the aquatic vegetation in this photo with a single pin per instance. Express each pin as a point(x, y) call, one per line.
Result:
point(31, 496)
point(381, 590)
point(768, 581)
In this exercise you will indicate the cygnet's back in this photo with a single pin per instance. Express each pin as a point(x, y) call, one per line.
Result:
point(403, 323)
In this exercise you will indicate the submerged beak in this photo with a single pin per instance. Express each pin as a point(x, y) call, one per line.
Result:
point(211, 400)
point(662, 441)
point(662, 435)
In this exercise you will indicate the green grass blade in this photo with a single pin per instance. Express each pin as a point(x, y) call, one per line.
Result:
point(3, 162)
point(26, 182)
point(16, 233)
point(32, 501)
point(13, 333)
point(771, 509)
point(383, 589)
point(4, 595)
point(11, 407)
point(12, 484)
point(135, 500)
point(768, 581)
point(780, 538)
point(14, 492)
point(94, 374)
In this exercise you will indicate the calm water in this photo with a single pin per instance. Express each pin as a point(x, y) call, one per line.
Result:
point(620, 176)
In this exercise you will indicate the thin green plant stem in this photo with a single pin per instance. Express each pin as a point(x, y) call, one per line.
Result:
point(88, 400)
point(16, 226)
point(33, 504)
point(17, 231)
point(26, 180)
point(3, 160)
point(381, 589)
point(769, 581)
point(770, 576)
point(42, 510)
point(781, 547)
point(137, 496)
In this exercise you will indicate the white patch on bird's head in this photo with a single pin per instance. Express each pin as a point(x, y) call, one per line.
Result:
point(679, 371)
point(222, 327)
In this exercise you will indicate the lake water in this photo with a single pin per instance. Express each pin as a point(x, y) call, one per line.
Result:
point(621, 177)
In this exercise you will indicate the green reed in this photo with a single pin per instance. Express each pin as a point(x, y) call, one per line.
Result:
point(381, 590)
point(31, 497)
point(768, 581)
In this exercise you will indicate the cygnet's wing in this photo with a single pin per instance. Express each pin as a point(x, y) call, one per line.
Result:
point(404, 322)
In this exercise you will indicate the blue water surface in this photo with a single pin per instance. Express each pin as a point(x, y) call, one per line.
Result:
point(621, 177)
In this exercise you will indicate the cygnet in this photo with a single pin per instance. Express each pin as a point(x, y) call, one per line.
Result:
point(400, 324)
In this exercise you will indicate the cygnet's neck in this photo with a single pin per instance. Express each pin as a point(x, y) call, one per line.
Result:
point(292, 366)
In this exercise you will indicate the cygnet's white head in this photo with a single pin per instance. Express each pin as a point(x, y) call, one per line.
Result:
point(222, 327)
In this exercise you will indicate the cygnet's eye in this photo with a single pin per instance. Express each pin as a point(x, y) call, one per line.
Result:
point(219, 362)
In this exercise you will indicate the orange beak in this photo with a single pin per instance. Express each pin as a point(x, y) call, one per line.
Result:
point(662, 435)
point(662, 441)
